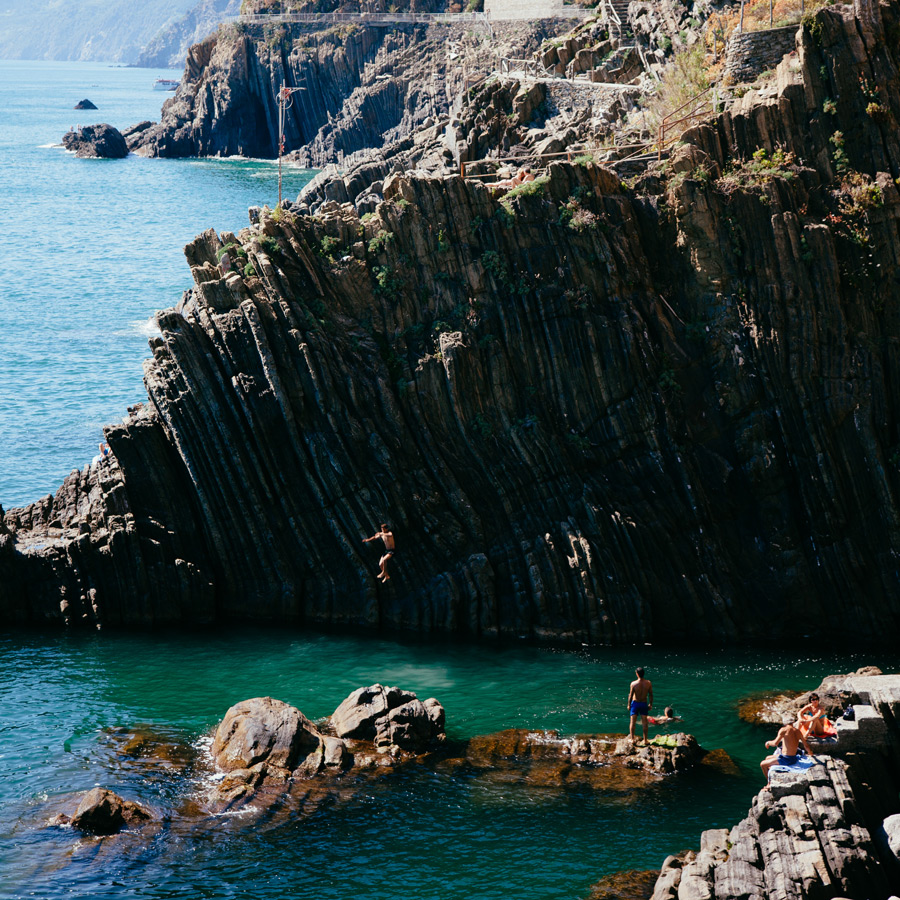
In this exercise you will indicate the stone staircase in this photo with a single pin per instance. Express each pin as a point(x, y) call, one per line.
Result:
point(621, 12)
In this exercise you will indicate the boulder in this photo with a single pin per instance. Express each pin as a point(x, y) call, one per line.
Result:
point(263, 730)
point(84, 104)
point(96, 141)
point(835, 694)
point(103, 812)
point(390, 717)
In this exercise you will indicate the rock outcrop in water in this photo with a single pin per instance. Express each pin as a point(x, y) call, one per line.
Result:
point(96, 142)
point(822, 833)
point(589, 411)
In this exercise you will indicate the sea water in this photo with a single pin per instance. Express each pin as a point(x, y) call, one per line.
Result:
point(91, 249)
point(431, 836)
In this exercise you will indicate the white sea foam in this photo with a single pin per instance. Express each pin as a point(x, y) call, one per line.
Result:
point(146, 327)
point(48, 146)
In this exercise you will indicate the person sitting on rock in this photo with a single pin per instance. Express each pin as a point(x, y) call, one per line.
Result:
point(666, 719)
point(812, 719)
point(789, 737)
point(388, 537)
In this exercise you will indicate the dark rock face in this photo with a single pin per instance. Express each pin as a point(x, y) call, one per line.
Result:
point(96, 141)
point(84, 104)
point(103, 812)
point(361, 87)
point(589, 413)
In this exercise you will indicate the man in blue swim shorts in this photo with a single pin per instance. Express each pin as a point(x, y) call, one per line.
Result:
point(789, 737)
point(640, 701)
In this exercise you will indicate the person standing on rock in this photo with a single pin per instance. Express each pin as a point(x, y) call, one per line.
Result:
point(388, 537)
point(789, 737)
point(640, 701)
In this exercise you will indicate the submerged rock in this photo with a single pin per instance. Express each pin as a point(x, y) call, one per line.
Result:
point(84, 104)
point(103, 812)
point(96, 141)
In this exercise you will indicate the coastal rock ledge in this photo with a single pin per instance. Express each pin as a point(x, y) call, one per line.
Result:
point(822, 833)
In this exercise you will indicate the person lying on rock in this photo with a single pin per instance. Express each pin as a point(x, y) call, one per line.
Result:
point(640, 701)
point(388, 537)
point(667, 719)
point(789, 737)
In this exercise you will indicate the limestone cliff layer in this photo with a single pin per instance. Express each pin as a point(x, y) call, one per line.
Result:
point(589, 412)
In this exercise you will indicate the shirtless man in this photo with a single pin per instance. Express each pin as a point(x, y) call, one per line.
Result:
point(640, 701)
point(790, 737)
point(388, 537)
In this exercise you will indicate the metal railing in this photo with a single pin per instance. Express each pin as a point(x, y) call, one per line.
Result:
point(702, 106)
point(364, 18)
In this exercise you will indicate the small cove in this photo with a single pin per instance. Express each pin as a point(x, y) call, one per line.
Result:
point(431, 834)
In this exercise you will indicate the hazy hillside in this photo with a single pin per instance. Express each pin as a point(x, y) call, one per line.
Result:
point(113, 30)
point(169, 47)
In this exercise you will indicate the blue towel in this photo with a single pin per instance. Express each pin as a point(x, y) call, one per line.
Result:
point(802, 764)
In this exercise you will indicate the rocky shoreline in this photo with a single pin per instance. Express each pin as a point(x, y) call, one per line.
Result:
point(832, 831)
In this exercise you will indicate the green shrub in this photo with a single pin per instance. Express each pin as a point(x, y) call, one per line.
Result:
point(526, 189)
point(328, 245)
point(829, 107)
point(380, 242)
point(269, 245)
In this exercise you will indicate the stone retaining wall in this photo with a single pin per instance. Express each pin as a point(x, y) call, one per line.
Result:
point(752, 52)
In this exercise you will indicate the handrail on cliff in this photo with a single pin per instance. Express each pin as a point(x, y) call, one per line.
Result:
point(696, 113)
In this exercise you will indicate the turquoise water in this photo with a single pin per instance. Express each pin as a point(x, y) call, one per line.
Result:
point(91, 249)
point(431, 836)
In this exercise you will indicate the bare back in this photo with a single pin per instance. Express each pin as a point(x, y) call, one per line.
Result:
point(388, 538)
point(789, 737)
point(640, 689)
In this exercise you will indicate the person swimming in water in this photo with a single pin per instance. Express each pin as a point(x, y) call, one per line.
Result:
point(387, 536)
point(666, 719)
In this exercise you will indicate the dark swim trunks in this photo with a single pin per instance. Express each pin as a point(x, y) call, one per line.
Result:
point(639, 708)
point(788, 760)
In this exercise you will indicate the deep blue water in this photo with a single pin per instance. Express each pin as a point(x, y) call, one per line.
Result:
point(91, 249)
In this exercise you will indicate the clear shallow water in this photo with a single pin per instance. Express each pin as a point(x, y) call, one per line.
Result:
point(91, 249)
point(432, 836)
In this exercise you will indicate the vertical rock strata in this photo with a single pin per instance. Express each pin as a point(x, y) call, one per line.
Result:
point(358, 87)
point(589, 412)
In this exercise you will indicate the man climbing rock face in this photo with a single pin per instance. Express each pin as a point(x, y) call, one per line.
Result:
point(388, 537)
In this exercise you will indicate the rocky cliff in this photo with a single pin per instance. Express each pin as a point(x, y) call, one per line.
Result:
point(589, 411)
point(169, 47)
point(359, 86)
